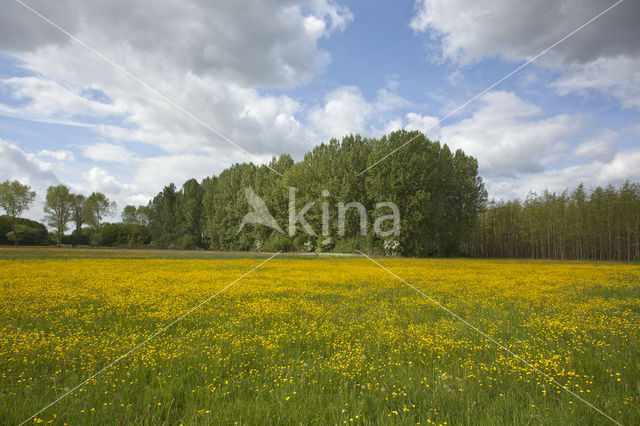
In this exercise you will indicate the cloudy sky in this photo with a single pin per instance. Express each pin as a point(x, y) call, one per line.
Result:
point(151, 92)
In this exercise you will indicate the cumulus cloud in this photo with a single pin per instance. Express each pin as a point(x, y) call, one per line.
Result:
point(43, 99)
point(108, 152)
point(602, 56)
point(17, 164)
point(427, 124)
point(209, 58)
point(509, 136)
point(599, 147)
point(61, 155)
point(271, 43)
point(345, 111)
point(622, 167)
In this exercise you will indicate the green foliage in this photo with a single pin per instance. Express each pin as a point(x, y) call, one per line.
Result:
point(58, 209)
point(29, 232)
point(439, 194)
point(123, 235)
point(15, 198)
point(96, 208)
point(130, 214)
point(80, 237)
point(278, 242)
point(603, 224)
point(77, 214)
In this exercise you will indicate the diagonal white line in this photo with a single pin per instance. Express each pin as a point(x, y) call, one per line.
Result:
point(496, 83)
point(500, 345)
point(144, 342)
point(140, 81)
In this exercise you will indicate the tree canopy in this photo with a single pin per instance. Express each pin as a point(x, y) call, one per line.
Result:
point(96, 208)
point(58, 208)
point(15, 198)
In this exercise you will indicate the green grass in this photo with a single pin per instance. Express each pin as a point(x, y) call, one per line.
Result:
point(314, 340)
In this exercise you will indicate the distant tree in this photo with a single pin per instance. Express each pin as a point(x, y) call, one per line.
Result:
point(142, 215)
point(192, 210)
point(96, 208)
point(130, 215)
point(77, 213)
point(15, 198)
point(59, 208)
point(598, 224)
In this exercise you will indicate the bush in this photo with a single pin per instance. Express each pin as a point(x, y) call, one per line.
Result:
point(82, 238)
point(279, 242)
point(324, 244)
point(308, 246)
point(30, 232)
point(391, 248)
point(186, 242)
point(348, 245)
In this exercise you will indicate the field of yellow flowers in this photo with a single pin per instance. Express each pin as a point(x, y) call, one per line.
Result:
point(315, 340)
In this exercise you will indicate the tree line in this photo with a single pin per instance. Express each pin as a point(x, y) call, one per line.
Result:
point(61, 207)
point(439, 193)
point(600, 224)
point(441, 197)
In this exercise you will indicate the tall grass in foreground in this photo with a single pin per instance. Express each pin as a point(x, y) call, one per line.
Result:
point(324, 341)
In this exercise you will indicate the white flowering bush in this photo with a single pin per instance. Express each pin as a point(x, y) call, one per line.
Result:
point(308, 246)
point(391, 248)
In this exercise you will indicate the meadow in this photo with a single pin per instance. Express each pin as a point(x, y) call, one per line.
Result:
point(315, 340)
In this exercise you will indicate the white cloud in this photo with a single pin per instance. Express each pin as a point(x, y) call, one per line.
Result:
point(427, 124)
point(61, 155)
point(621, 167)
point(392, 126)
point(345, 111)
point(603, 56)
point(49, 100)
point(618, 77)
point(108, 152)
point(24, 166)
point(267, 43)
point(599, 147)
point(99, 180)
point(210, 58)
point(508, 136)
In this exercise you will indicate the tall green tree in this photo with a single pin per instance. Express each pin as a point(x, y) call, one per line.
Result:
point(130, 215)
point(58, 208)
point(192, 211)
point(78, 211)
point(96, 208)
point(15, 198)
point(165, 217)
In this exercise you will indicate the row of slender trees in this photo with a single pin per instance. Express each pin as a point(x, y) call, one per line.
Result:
point(438, 192)
point(601, 224)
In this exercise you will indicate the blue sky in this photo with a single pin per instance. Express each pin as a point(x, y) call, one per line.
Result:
point(283, 76)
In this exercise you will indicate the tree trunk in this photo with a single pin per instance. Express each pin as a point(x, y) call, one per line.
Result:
point(15, 233)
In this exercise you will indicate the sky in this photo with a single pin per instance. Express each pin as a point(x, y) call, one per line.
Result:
point(126, 97)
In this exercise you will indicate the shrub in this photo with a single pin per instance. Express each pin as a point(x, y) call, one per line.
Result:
point(278, 242)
